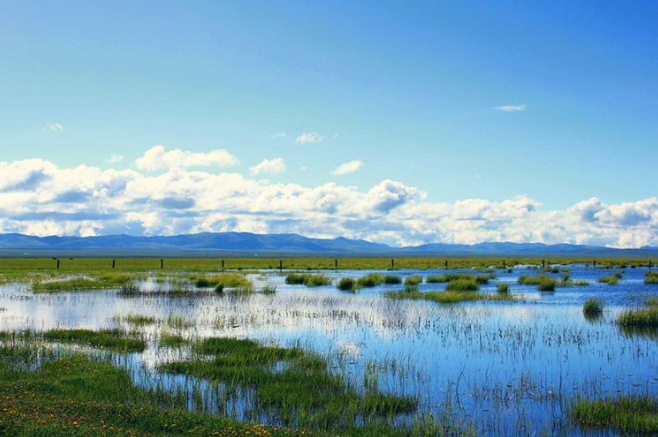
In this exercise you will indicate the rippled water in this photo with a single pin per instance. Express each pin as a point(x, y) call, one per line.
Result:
point(511, 367)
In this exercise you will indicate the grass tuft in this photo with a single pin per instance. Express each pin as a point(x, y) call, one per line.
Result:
point(627, 414)
point(307, 279)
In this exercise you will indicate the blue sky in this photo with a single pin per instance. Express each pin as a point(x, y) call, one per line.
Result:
point(409, 89)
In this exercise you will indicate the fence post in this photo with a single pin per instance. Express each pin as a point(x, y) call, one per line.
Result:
point(58, 263)
point(392, 263)
point(335, 263)
point(446, 264)
point(161, 263)
point(543, 264)
point(222, 264)
point(280, 265)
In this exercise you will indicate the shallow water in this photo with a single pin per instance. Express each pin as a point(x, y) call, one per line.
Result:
point(510, 367)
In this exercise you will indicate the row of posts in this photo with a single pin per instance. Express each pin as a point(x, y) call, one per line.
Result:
point(543, 263)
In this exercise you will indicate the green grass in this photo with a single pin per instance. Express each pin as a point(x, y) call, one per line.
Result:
point(78, 265)
point(307, 279)
point(543, 282)
point(392, 279)
point(502, 287)
point(107, 339)
point(136, 319)
point(639, 318)
point(412, 280)
point(302, 391)
point(651, 301)
point(463, 285)
point(593, 307)
point(449, 277)
point(95, 282)
point(86, 398)
point(171, 341)
point(610, 280)
point(627, 414)
point(346, 284)
point(651, 277)
point(225, 280)
point(448, 297)
point(370, 280)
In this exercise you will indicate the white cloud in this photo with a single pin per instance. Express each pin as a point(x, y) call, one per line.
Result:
point(38, 197)
point(114, 159)
point(57, 127)
point(278, 135)
point(269, 166)
point(158, 158)
point(309, 138)
point(348, 167)
point(510, 108)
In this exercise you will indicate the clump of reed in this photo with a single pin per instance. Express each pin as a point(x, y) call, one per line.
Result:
point(631, 415)
point(448, 297)
point(307, 279)
point(639, 318)
point(543, 282)
point(651, 277)
point(502, 287)
point(226, 280)
point(593, 307)
point(268, 289)
point(449, 277)
point(463, 285)
point(171, 341)
point(651, 301)
point(113, 339)
point(610, 280)
point(392, 279)
point(291, 382)
point(370, 280)
point(94, 282)
point(413, 280)
point(346, 284)
point(136, 319)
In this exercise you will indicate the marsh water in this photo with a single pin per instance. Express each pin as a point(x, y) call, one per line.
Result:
point(507, 368)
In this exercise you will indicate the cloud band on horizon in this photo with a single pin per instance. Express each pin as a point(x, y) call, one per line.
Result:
point(38, 197)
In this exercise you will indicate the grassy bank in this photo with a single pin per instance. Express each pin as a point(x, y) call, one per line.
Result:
point(301, 263)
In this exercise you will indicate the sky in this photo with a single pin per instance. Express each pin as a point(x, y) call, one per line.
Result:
point(396, 122)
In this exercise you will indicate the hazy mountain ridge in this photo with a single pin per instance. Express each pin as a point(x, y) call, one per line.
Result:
point(243, 243)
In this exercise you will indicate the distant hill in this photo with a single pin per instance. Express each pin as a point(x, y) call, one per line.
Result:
point(248, 244)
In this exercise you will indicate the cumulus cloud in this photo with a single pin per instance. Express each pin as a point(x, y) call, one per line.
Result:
point(114, 159)
point(158, 158)
point(269, 166)
point(510, 108)
point(57, 127)
point(348, 167)
point(309, 138)
point(41, 198)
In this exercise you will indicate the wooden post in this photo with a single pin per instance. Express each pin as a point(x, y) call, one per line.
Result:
point(280, 265)
point(446, 264)
point(161, 263)
point(57, 263)
point(335, 263)
point(392, 263)
point(543, 264)
point(114, 263)
point(503, 263)
point(594, 263)
point(222, 264)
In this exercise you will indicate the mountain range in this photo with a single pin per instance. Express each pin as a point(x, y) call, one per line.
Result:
point(248, 244)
